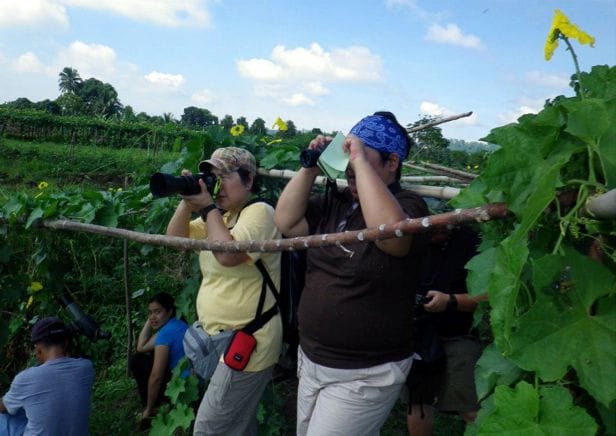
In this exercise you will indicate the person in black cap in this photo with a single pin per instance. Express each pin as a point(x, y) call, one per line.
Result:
point(52, 398)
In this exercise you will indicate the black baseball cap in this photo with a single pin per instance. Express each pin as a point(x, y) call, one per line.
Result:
point(49, 330)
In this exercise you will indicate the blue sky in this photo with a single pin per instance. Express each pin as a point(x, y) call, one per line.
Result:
point(319, 63)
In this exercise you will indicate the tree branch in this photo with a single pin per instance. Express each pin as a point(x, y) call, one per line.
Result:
point(408, 226)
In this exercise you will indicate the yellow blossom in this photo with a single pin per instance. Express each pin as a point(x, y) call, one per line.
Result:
point(43, 185)
point(30, 301)
point(36, 286)
point(281, 124)
point(237, 130)
point(562, 26)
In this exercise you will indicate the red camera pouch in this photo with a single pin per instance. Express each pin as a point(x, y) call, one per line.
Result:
point(239, 350)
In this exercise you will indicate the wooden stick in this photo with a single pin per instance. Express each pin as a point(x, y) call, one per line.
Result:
point(384, 231)
point(437, 122)
point(448, 170)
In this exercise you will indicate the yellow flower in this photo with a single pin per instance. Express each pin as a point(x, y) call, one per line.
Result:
point(43, 185)
point(561, 26)
point(281, 124)
point(30, 301)
point(237, 130)
point(36, 286)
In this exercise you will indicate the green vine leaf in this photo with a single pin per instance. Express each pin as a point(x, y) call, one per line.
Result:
point(574, 318)
point(503, 287)
point(494, 369)
point(526, 411)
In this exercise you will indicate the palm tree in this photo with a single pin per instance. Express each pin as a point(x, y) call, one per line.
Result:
point(69, 81)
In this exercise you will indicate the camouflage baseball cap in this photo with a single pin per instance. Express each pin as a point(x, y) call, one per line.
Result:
point(229, 159)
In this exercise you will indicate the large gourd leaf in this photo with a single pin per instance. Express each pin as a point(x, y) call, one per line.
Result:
point(526, 411)
point(571, 324)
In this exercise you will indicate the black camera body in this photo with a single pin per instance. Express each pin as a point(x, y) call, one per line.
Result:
point(421, 299)
point(308, 158)
point(164, 185)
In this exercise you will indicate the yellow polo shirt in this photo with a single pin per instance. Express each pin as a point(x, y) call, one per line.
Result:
point(229, 296)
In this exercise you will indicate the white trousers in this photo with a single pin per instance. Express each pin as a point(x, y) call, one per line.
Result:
point(346, 402)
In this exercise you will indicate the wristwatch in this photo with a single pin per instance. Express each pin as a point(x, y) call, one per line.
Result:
point(206, 210)
point(452, 303)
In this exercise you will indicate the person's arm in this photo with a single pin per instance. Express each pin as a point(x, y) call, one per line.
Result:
point(155, 382)
point(146, 339)
point(179, 225)
point(465, 303)
point(378, 204)
point(292, 204)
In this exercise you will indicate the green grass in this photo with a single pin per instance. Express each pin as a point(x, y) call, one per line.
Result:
point(25, 164)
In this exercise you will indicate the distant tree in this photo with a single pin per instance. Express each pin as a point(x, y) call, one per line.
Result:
point(429, 143)
point(48, 106)
point(227, 122)
point(168, 118)
point(128, 114)
point(21, 103)
point(316, 131)
point(70, 104)
point(291, 130)
point(198, 118)
point(143, 117)
point(69, 81)
point(258, 127)
point(241, 121)
point(99, 99)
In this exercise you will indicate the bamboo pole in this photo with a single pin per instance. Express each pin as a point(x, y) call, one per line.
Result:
point(384, 231)
point(448, 170)
point(442, 192)
point(602, 206)
point(289, 174)
point(437, 122)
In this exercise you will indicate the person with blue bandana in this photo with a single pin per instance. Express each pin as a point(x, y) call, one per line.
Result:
point(355, 311)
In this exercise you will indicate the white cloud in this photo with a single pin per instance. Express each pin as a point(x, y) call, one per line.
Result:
point(316, 88)
point(91, 60)
point(548, 80)
point(298, 99)
point(32, 13)
point(173, 13)
point(167, 13)
point(523, 105)
point(351, 64)
point(294, 75)
point(205, 96)
point(164, 80)
point(452, 34)
point(435, 110)
point(28, 63)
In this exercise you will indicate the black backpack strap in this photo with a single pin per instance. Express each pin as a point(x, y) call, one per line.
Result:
point(267, 279)
point(262, 318)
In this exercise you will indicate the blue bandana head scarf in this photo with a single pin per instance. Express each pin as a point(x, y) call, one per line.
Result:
point(382, 134)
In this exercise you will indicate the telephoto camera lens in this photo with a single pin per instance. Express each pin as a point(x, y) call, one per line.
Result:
point(163, 185)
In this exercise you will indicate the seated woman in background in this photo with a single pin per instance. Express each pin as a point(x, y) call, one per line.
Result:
point(159, 348)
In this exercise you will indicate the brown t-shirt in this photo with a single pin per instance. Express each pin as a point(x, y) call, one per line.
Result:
point(355, 312)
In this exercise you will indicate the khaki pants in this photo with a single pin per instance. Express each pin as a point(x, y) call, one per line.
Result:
point(229, 406)
point(346, 402)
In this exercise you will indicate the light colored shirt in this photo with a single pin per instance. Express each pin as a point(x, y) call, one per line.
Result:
point(55, 397)
point(229, 296)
